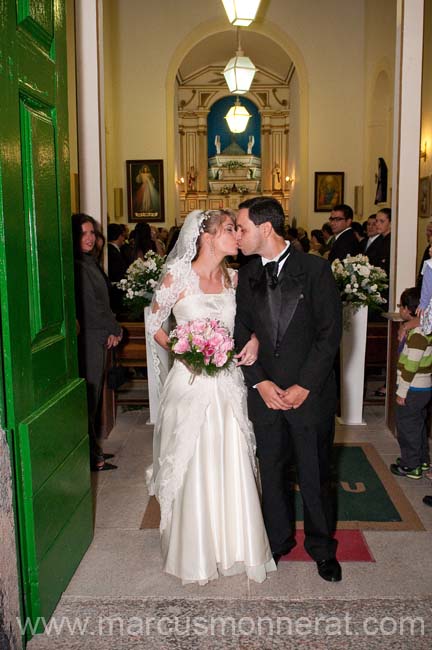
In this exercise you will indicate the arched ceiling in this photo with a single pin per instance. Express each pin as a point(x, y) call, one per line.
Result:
point(216, 50)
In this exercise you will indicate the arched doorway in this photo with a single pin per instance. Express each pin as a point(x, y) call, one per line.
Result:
point(194, 83)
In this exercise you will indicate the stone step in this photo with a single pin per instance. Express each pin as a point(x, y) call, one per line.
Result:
point(252, 624)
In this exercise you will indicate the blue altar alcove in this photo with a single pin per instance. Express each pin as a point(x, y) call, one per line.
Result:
point(217, 125)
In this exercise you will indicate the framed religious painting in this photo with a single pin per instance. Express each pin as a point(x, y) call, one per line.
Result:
point(424, 197)
point(329, 190)
point(145, 190)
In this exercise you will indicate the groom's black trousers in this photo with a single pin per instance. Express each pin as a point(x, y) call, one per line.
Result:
point(304, 438)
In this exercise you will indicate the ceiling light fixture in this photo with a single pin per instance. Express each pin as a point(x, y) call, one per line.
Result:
point(237, 117)
point(241, 13)
point(239, 71)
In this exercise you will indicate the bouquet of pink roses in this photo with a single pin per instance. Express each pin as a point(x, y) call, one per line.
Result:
point(203, 344)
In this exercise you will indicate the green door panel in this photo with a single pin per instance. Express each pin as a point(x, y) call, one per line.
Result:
point(62, 559)
point(64, 415)
point(57, 500)
point(37, 17)
point(55, 474)
point(42, 227)
point(44, 400)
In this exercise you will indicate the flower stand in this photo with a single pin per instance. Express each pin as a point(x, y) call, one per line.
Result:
point(352, 365)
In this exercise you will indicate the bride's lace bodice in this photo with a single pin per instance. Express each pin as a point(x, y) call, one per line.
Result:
point(194, 303)
point(197, 304)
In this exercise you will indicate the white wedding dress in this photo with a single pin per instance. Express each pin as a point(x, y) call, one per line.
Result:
point(204, 471)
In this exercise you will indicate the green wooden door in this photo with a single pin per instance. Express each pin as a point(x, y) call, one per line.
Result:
point(45, 402)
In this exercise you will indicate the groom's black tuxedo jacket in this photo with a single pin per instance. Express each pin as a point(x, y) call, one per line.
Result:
point(298, 328)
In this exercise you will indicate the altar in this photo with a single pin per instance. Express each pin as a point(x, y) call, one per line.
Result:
point(239, 173)
point(218, 168)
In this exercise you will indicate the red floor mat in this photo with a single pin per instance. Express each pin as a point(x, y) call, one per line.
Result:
point(352, 547)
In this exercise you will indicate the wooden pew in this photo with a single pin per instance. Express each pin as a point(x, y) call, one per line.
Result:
point(131, 352)
point(376, 352)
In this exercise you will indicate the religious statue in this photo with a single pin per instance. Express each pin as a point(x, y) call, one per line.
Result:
point(217, 144)
point(277, 182)
point(192, 179)
point(251, 143)
point(381, 181)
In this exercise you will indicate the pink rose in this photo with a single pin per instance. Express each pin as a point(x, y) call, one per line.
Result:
point(227, 345)
point(198, 342)
point(216, 340)
point(198, 326)
point(220, 359)
point(181, 346)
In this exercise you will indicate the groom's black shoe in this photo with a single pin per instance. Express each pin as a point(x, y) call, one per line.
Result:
point(330, 570)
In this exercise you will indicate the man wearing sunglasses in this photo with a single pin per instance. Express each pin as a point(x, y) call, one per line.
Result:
point(345, 242)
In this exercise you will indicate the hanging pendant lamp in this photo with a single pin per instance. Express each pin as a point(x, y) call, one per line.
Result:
point(241, 12)
point(237, 117)
point(239, 71)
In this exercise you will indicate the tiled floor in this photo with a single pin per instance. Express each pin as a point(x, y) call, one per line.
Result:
point(124, 561)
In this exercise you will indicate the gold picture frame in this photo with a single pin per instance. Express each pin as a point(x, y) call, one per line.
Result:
point(329, 190)
point(145, 190)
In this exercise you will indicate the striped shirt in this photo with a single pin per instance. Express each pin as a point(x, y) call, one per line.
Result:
point(415, 363)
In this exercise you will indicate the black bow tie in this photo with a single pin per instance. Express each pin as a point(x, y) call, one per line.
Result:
point(272, 269)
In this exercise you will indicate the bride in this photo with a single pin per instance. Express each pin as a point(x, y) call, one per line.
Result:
point(204, 472)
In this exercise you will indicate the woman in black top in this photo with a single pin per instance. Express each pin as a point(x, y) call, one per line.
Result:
point(98, 329)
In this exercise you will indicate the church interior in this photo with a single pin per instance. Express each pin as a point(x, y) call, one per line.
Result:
point(338, 88)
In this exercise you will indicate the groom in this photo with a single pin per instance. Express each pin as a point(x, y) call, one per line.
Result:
point(290, 300)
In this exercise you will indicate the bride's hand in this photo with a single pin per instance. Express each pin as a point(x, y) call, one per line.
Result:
point(249, 354)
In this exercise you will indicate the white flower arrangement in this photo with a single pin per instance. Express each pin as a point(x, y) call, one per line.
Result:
point(140, 282)
point(243, 189)
point(359, 283)
point(225, 189)
point(233, 164)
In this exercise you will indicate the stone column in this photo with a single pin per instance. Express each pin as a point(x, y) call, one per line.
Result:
point(266, 163)
point(90, 108)
point(406, 141)
point(202, 181)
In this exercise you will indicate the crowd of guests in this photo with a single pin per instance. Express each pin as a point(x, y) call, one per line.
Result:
point(341, 237)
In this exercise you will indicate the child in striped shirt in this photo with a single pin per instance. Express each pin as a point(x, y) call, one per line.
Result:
point(413, 393)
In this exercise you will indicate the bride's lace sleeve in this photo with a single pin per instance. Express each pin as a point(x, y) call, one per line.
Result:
point(163, 301)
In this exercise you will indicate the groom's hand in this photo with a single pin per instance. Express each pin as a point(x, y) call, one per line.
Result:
point(294, 396)
point(272, 395)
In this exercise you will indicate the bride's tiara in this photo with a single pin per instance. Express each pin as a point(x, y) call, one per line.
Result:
point(202, 218)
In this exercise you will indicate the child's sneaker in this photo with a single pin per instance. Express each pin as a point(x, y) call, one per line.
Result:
point(424, 466)
point(414, 472)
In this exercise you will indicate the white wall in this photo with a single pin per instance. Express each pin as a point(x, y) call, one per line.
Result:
point(143, 39)
point(112, 113)
point(334, 61)
point(380, 43)
point(426, 128)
